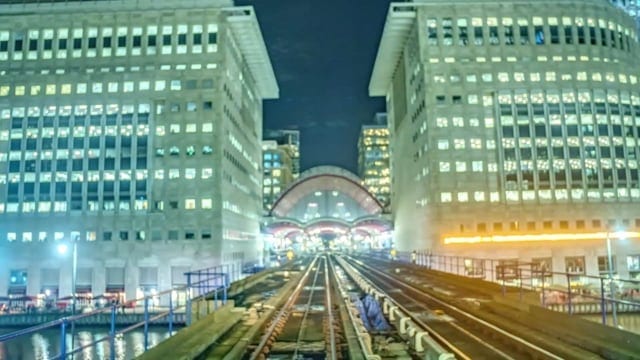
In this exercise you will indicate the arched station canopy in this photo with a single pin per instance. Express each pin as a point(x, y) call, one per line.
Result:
point(328, 188)
point(326, 197)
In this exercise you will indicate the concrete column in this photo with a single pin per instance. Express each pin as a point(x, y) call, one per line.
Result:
point(131, 280)
point(99, 281)
point(4, 275)
point(164, 282)
point(64, 287)
point(33, 279)
point(558, 265)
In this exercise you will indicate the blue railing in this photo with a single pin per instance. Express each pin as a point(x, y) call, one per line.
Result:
point(201, 284)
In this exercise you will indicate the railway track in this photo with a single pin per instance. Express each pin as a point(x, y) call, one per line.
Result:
point(461, 332)
point(304, 327)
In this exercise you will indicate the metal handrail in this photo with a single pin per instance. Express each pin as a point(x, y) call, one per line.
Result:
point(65, 321)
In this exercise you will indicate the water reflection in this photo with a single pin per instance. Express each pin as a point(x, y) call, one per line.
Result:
point(46, 344)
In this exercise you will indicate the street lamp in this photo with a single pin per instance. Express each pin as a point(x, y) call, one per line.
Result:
point(62, 249)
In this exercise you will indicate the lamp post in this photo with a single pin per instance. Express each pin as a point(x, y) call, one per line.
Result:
point(612, 287)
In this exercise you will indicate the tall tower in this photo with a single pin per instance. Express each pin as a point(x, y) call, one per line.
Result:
point(278, 171)
point(289, 141)
point(373, 158)
point(515, 129)
point(133, 129)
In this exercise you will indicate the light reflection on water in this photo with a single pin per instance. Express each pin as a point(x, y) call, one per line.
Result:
point(46, 344)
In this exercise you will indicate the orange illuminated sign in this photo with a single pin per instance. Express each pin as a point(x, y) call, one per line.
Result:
point(540, 237)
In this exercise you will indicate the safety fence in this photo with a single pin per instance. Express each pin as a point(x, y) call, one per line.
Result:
point(165, 307)
point(570, 292)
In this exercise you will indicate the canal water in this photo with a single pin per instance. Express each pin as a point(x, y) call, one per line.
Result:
point(46, 344)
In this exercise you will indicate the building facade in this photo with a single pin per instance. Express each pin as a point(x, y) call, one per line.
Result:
point(632, 7)
point(278, 171)
point(515, 129)
point(373, 158)
point(132, 129)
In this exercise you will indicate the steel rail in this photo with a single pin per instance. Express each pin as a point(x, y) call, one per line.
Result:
point(332, 335)
point(308, 307)
point(294, 296)
point(461, 312)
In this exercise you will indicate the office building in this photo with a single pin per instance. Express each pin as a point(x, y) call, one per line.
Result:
point(373, 158)
point(132, 128)
point(289, 141)
point(515, 130)
point(277, 165)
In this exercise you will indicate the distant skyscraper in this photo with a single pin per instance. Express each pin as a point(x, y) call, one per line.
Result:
point(373, 158)
point(277, 169)
point(515, 129)
point(289, 141)
point(133, 128)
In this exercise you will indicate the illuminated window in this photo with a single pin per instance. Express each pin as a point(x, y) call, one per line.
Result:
point(190, 204)
point(206, 203)
point(461, 166)
point(463, 196)
point(445, 166)
point(445, 197)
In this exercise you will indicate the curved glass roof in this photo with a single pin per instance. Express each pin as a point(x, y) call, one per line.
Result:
point(326, 192)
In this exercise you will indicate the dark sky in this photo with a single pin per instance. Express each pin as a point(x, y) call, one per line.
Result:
point(322, 52)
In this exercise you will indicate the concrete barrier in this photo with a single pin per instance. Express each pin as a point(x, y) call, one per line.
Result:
point(192, 341)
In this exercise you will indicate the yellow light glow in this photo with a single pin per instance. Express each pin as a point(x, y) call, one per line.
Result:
point(541, 237)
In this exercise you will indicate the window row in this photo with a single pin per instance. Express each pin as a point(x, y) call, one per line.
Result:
point(542, 195)
point(80, 110)
point(536, 30)
point(594, 224)
point(109, 235)
point(189, 151)
point(106, 203)
point(99, 87)
point(104, 176)
point(107, 41)
point(116, 69)
point(536, 77)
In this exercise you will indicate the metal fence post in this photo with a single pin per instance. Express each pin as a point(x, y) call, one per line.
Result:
point(603, 302)
point(63, 339)
point(544, 301)
point(171, 313)
point(215, 299)
point(112, 334)
point(224, 290)
point(146, 323)
point(570, 309)
point(188, 309)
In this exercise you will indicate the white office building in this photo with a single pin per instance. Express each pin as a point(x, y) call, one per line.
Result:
point(132, 128)
point(514, 130)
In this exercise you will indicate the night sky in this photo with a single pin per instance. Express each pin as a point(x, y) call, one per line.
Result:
point(322, 52)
